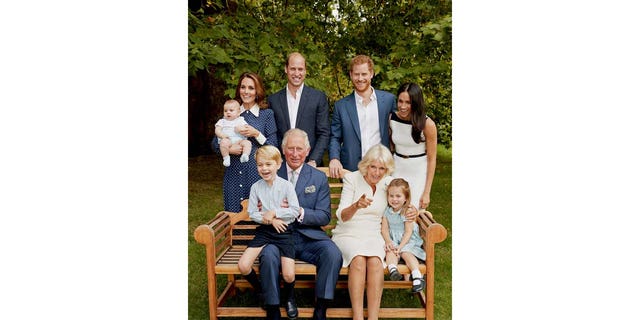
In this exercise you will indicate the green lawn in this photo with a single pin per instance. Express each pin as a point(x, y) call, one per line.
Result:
point(205, 200)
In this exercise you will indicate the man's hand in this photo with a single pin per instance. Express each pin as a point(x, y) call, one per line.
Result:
point(279, 225)
point(335, 168)
point(268, 217)
point(285, 203)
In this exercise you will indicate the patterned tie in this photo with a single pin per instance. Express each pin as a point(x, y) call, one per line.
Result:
point(294, 178)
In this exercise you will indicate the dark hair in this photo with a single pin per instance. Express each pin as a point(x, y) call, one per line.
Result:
point(260, 92)
point(417, 109)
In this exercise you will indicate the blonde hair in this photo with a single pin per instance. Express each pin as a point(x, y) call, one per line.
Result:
point(269, 152)
point(404, 188)
point(380, 153)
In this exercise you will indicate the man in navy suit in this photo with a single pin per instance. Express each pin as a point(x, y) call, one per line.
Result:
point(360, 120)
point(300, 106)
point(312, 244)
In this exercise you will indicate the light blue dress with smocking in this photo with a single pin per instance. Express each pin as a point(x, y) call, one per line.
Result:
point(396, 230)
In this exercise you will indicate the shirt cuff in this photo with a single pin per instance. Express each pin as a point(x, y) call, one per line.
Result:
point(261, 139)
point(301, 216)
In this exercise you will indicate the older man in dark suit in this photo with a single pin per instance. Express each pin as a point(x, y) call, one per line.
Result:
point(312, 244)
point(303, 107)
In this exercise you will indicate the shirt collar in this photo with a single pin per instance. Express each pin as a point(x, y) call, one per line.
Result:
point(298, 92)
point(255, 109)
point(297, 170)
point(359, 98)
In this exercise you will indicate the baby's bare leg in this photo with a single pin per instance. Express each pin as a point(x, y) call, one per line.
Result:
point(246, 146)
point(225, 143)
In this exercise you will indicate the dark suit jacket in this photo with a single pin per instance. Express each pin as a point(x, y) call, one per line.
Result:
point(312, 190)
point(313, 118)
point(345, 142)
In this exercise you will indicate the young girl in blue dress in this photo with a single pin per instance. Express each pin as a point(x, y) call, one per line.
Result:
point(401, 236)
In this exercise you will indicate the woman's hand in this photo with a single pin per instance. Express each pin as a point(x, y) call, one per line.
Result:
point(411, 213)
point(248, 131)
point(235, 149)
point(424, 201)
point(363, 202)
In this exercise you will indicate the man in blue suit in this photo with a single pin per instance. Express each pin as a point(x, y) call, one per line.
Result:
point(300, 106)
point(312, 244)
point(360, 120)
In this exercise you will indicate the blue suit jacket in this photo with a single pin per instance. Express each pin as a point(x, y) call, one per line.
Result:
point(312, 117)
point(312, 190)
point(345, 143)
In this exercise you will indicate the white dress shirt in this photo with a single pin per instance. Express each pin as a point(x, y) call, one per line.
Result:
point(368, 120)
point(292, 104)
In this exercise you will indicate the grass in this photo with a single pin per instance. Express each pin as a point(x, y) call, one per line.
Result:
point(205, 200)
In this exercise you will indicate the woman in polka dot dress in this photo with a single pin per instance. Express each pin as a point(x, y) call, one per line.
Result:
point(260, 129)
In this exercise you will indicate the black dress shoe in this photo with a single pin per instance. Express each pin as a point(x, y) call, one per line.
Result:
point(319, 314)
point(261, 301)
point(292, 309)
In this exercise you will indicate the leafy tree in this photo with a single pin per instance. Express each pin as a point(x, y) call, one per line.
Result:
point(408, 40)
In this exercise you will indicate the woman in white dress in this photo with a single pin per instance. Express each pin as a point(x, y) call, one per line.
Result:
point(414, 140)
point(357, 233)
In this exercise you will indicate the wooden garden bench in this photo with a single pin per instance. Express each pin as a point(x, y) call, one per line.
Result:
point(225, 239)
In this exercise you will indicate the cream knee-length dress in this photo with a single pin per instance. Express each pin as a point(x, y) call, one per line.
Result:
point(360, 235)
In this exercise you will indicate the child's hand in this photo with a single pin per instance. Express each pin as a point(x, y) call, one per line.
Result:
point(285, 203)
point(389, 247)
point(279, 225)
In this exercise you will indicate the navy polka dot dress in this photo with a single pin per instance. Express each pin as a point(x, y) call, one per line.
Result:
point(239, 177)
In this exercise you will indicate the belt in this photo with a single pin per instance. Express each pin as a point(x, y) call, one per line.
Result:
point(411, 156)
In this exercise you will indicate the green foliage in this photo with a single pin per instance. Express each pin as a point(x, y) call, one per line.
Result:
point(410, 41)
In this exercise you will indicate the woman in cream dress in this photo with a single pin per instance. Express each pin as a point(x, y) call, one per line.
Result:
point(357, 233)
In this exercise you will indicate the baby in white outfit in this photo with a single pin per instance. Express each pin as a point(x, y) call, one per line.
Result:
point(227, 134)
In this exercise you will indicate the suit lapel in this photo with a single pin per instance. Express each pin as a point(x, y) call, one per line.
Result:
point(285, 110)
point(303, 179)
point(304, 96)
point(353, 115)
point(282, 172)
point(383, 116)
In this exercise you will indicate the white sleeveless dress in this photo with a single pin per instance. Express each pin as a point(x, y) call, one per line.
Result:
point(414, 170)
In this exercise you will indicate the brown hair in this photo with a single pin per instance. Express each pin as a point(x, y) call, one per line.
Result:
point(404, 187)
point(260, 92)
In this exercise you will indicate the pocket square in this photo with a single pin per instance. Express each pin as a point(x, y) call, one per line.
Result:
point(310, 189)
